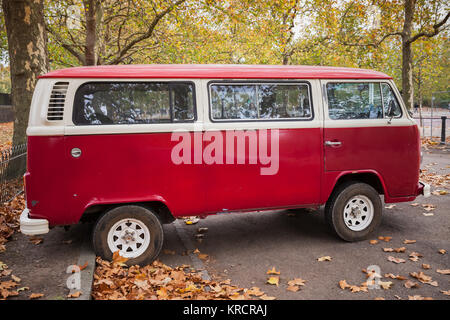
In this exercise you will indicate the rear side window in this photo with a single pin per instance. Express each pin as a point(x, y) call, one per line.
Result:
point(260, 101)
point(103, 103)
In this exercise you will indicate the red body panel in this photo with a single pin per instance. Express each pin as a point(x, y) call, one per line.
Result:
point(126, 168)
point(211, 71)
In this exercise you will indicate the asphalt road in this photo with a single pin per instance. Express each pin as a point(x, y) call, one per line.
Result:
point(243, 246)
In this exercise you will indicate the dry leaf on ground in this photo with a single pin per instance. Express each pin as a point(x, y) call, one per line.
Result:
point(325, 258)
point(273, 280)
point(273, 271)
point(446, 271)
point(411, 284)
point(396, 260)
point(406, 241)
point(74, 295)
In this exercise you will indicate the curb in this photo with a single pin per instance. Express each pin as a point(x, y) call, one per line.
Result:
point(187, 243)
point(87, 274)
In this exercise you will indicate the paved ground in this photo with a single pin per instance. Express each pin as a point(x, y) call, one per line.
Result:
point(243, 246)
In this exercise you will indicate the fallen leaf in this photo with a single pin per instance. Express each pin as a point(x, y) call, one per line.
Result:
point(388, 249)
point(36, 295)
point(296, 282)
point(396, 260)
point(74, 295)
point(392, 276)
point(355, 289)
point(442, 251)
point(414, 204)
point(385, 284)
point(273, 271)
point(266, 297)
point(447, 293)
point(118, 259)
point(273, 280)
point(446, 271)
point(411, 284)
point(414, 256)
point(16, 279)
point(373, 241)
point(255, 291)
point(203, 256)
point(293, 288)
point(418, 297)
point(428, 214)
point(343, 284)
point(385, 239)
point(325, 258)
point(390, 206)
point(379, 298)
point(426, 266)
point(400, 250)
point(409, 241)
point(36, 240)
point(84, 266)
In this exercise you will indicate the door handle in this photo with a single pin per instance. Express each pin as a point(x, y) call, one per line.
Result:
point(333, 143)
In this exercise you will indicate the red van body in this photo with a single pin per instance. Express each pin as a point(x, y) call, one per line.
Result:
point(131, 164)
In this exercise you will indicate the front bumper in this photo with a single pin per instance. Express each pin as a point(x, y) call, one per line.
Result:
point(424, 189)
point(32, 227)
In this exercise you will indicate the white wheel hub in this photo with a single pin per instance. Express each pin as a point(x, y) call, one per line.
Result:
point(130, 236)
point(358, 213)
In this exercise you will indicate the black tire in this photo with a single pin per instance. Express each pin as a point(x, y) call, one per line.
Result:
point(334, 210)
point(144, 215)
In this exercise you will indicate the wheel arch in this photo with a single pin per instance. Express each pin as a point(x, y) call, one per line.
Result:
point(161, 210)
point(369, 177)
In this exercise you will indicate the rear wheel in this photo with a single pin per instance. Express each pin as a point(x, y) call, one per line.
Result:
point(354, 211)
point(132, 230)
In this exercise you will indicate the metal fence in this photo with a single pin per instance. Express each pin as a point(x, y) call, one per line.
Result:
point(435, 125)
point(12, 168)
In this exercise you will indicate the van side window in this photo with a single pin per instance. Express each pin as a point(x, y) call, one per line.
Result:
point(260, 101)
point(350, 100)
point(102, 103)
point(390, 103)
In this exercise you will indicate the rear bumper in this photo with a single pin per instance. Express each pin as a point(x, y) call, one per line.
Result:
point(424, 189)
point(32, 227)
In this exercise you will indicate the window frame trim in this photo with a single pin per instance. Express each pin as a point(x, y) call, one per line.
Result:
point(258, 82)
point(171, 121)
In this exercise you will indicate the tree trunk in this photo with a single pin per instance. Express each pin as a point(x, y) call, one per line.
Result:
point(27, 46)
point(90, 7)
point(407, 68)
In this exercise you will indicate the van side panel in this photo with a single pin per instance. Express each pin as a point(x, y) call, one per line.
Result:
point(124, 168)
point(45, 179)
point(392, 152)
point(296, 183)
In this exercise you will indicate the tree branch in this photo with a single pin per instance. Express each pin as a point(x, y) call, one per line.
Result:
point(435, 31)
point(147, 34)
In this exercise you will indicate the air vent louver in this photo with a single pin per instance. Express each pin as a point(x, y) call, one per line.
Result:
point(56, 104)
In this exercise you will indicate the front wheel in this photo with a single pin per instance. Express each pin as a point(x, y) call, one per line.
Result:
point(354, 211)
point(132, 230)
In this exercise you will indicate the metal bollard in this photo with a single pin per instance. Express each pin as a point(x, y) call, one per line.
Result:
point(444, 120)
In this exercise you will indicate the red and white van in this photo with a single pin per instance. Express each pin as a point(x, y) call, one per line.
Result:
point(138, 146)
